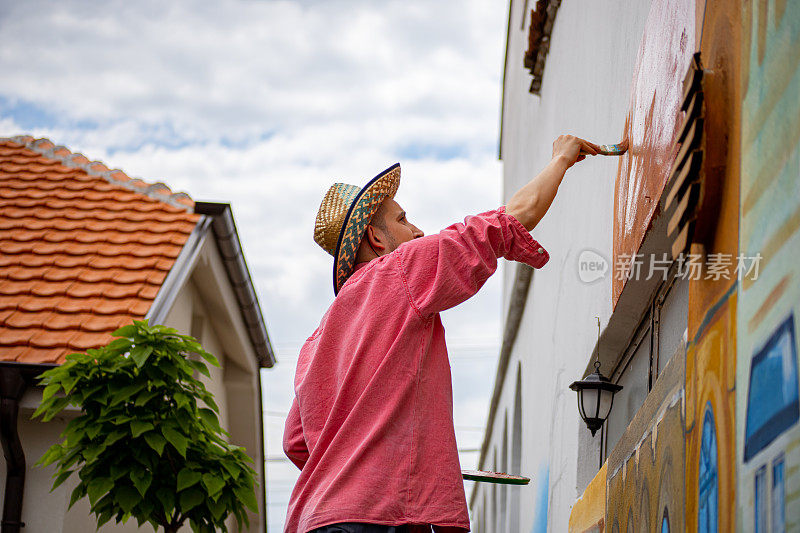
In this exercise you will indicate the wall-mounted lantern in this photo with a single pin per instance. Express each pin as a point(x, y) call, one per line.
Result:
point(595, 394)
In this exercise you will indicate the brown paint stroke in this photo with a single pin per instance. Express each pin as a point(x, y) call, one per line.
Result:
point(653, 120)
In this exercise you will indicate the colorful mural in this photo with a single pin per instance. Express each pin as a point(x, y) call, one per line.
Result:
point(716, 444)
point(652, 123)
point(710, 418)
point(646, 468)
point(767, 429)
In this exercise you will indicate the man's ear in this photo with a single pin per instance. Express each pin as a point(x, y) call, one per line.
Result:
point(375, 238)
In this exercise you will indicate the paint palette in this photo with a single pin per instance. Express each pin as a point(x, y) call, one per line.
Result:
point(494, 477)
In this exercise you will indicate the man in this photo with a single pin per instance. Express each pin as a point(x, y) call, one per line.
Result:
point(371, 424)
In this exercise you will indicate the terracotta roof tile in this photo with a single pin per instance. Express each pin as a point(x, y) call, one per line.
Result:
point(83, 340)
point(85, 248)
point(29, 354)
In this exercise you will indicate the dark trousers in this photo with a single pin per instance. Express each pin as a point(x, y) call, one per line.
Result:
point(354, 527)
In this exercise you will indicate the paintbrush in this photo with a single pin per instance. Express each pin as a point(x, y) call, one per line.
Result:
point(611, 149)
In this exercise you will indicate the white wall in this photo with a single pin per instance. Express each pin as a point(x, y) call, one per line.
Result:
point(585, 92)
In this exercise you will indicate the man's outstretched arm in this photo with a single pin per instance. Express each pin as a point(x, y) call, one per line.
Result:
point(531, 202)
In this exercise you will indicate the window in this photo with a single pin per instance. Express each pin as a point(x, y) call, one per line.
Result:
point(778, 497)
point(660, 334)
point(707, 479)
point(634, 382)
point(761, 500)
point(772, 397)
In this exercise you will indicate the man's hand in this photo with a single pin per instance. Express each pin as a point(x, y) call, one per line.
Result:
point(573, 149)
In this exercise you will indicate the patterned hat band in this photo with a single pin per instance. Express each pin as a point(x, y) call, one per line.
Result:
point(343, 217)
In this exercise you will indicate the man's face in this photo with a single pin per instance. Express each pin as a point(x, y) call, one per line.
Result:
point(396, 226)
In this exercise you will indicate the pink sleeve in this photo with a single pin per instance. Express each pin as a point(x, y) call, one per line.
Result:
point(440, 271)
point(294, 443)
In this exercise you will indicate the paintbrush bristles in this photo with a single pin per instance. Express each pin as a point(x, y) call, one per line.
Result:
point(611, 149)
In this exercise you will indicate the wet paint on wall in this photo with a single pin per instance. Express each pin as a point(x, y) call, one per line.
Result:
point(653, 120)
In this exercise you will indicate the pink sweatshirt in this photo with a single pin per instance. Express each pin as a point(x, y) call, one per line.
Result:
point(371, 425)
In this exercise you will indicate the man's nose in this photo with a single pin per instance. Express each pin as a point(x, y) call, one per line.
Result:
point(418, 233)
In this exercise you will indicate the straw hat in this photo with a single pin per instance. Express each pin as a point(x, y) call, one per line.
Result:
point(344, 215)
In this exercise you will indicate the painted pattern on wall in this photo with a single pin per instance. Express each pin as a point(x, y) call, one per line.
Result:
point(767, 429)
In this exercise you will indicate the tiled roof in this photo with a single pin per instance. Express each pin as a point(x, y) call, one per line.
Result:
point(83, 249)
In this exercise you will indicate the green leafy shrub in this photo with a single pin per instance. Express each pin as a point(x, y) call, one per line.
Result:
point(142, 447)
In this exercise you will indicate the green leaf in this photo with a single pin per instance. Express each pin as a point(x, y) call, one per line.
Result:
point(118, 470)
point(50, 390)
point(126, 393)
point(53, 409)
point(68, 383)
point(141, 480)
point(93, 431)
point(200, 367)
point(77, 493)
point(113, 437)
point(181, 400)
point(176, 439)
point(167, 499)
point(247, 496)
point(209, 417)
point(187, 478)
point(217, 508)
point(212, 483)
point(91, 453)
point(138, 427)
point(52, 454)
point(145, 397)
point(125, 331)
point(62, 477)
point(156, 442)
point(211, 403)
point(127, 497)
point(232, 468)
point(104, 517)
point(140, 353)
point(208, 357)
point(190, 499)
point(118, 346)
point(98, 487)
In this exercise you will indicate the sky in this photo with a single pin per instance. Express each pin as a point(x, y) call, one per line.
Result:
point(265, 104)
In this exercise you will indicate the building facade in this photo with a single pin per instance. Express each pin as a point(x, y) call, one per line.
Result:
point(686, 249)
